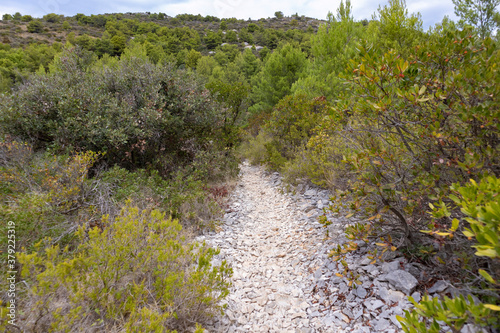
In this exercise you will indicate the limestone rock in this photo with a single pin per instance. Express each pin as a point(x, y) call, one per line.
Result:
point(402, 280)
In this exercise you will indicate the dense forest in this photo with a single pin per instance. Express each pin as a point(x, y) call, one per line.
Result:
point(121, 135)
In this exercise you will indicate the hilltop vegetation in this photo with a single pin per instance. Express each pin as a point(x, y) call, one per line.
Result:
point(129, 126)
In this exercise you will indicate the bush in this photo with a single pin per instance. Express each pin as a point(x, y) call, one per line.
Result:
point(46, 196)
point(480, 202)
point(138, 114)
point(416, 126)
point(290, 126)
point(35, 26)
point(138, 273)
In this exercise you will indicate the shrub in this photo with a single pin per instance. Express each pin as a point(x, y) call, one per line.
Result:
point(35, 26)
point(139, 114)
point(416, 126)
point(290, 126)
point(254, 148)
point(138, 273)
point(480, 202)
point(46, 196)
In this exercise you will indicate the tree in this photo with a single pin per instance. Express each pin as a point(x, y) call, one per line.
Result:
point(192, 58)
point(52, 18)
point(332, 47)
point(398, 29)
point(279, 15)
point(6, 17)
point(478, 13)
point(35, 26)
point(280, 71)
point(212, 40)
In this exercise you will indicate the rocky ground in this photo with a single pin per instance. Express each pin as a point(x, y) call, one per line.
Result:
point(284, 280)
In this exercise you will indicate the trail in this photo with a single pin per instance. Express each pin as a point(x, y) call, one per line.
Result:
point(283, 279)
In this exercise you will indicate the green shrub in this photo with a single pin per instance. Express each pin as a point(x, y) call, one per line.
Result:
point(183, 197)
point(290, 126)
point(414, 127)
point(254, 148)
point(138, 114)
point(480, 202)
point(44, 195)
point(138, 273)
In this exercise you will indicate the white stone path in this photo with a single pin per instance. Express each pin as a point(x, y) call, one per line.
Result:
point(283, 280)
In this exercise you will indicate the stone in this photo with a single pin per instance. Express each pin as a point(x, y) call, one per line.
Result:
point(382, 325)
point(310, 193)
point(389, 267)
point(403, 281)
point(377, 304)
point(361, 292)
point(438, 287)
point(416, 296)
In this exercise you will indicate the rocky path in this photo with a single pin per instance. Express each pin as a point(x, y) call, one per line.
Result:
point(283, 279)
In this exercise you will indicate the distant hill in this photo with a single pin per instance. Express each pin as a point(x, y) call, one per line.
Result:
point(21, 30)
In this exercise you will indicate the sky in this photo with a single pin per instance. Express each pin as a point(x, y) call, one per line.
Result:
point(432, 11)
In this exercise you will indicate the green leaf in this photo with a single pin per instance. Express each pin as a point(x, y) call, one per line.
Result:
point(486, 253)
point(492, 307)
point(422, 90)
point(486, 276)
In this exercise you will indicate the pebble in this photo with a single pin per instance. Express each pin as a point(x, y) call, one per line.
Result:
point(284, 279)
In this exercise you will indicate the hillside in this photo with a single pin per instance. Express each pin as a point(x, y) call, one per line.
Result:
point(130, 203)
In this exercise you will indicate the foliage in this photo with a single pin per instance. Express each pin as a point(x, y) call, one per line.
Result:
point(291, 125)
point(138, 273)
point(279, 72)
point(398, 29)
point(411, 126)
point(170, 117)
point(480, 202)
point(332, 47)
point(478, 13)
point(35, 26)
point(47, 196)
point(431, 315)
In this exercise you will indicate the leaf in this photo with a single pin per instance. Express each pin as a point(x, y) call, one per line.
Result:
point(349, 215)
point(486, 276)
point(422, 90)
point(393, 248)
point(339, 275)
point(486, 253)
point(492, 307)
point(454, 224)
point(381, 244)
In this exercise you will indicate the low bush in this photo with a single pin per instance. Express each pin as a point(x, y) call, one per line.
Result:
point(480, 202)
point(139, 114)
point(138, 273)
point(47, 196)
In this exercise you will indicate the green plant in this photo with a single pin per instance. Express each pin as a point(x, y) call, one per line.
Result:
point(44, 195)
point(430, 315)
point(480, 203)
point(82, 106)
point(137, 272)
point(290, 126)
